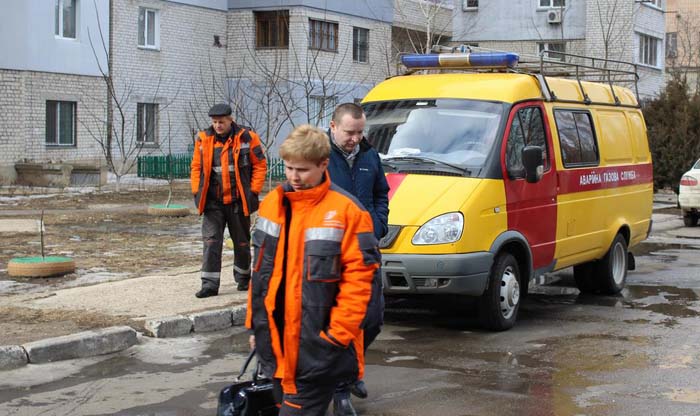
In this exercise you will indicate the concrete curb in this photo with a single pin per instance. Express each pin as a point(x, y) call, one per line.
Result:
point(80, 345)
point(115, 339)
point(12, 356)
point(215, 320)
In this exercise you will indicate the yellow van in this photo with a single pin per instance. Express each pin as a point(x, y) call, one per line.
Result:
point(502, 174)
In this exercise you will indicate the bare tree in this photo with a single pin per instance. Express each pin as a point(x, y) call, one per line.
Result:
point(683, 58)
point(119, 138)
point(421, 34)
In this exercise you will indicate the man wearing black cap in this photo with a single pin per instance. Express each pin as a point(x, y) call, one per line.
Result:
point(227, 174)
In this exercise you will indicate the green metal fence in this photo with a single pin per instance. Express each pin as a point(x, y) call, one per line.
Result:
point(160, 167)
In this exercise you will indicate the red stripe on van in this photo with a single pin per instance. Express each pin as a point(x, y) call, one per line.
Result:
point(591, 179)
point(394, 180)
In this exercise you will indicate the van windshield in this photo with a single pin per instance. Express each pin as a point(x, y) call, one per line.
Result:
point(458, 133)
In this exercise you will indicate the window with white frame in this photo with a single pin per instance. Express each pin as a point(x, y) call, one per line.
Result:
point(655, 3)
point(149, 30)
point(60, 123)
point(648, 50)
point(360, 44)
point(146, 123)
point(552, 3)
point(321, 110)
point(553, 48)
point(672, 44)
point(66, 19)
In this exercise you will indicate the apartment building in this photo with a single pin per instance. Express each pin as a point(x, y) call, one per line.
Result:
point(624, 30)
point(683, 40)
point(47, 68)
point(418, 25)
point(279, 63)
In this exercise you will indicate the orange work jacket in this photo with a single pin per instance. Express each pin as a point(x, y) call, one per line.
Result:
point(243, 167)
point(318, 248)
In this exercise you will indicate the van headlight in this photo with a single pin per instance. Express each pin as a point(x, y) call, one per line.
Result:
point(446, 228)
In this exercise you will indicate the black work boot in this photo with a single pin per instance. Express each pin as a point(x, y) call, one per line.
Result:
point(205, 292)
point(342, 405)
point(243, 285)
point(358, 389)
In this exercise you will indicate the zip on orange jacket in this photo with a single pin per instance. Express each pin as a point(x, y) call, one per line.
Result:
point(315, 255)
point(242, 155)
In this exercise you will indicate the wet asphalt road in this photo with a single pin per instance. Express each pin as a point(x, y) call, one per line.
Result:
point(635, 354)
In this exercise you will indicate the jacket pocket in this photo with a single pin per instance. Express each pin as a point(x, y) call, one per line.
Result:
point(322, 261)
point(323, 362)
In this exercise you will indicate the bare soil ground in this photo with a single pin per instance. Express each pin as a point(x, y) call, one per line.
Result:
point(109, 235)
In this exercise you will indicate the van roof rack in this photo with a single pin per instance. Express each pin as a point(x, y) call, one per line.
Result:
point(547, 63)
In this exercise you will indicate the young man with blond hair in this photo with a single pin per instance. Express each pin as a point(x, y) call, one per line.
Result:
point(314, 259)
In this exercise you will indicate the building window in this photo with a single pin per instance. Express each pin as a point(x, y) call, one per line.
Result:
point(272, 29)
point(148, 28)
point(576, 138)
point(671, 45)
point(323, 35)
point(321, 110)
point(470, 4)
point(65, 19)
point(552, 3)
point(553, 48)
point(146, 123)
point(655, 3)
point(648, 48)
point(60, 123)
point(360, 44)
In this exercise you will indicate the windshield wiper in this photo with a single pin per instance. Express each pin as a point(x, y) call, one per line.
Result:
point(424, 159)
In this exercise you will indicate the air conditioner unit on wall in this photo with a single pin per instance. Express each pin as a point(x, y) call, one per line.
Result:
point(554, 17)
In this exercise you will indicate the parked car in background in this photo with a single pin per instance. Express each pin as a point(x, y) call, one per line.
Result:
point(689, 195)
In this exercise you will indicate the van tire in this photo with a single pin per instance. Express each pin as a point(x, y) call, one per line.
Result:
point(500, 303)
point(585, 278)
point(611, 270)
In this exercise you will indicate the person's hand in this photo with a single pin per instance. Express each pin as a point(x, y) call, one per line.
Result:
point(251, 342)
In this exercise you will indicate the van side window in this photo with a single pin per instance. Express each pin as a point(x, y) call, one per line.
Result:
point(576, 137)
point(526, 129)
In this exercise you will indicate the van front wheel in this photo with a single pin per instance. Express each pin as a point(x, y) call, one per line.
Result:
point(499, 305)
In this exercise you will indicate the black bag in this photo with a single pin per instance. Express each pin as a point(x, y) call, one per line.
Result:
point(248, 398)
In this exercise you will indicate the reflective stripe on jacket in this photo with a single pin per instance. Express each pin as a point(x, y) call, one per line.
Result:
point(249, 167)
point(312, 331)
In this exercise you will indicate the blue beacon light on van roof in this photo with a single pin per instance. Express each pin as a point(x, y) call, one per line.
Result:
point(446, 60)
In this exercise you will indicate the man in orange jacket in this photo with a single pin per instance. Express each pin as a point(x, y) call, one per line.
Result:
point(315, 255)
point(227, 175)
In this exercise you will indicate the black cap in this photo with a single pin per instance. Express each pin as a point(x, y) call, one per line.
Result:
point(219, 110)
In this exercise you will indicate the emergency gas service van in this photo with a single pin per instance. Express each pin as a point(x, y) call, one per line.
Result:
point(503, 172)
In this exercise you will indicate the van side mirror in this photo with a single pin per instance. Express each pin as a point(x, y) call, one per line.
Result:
point(533, 164)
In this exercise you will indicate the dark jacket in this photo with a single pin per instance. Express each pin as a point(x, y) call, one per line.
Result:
point(365, 180)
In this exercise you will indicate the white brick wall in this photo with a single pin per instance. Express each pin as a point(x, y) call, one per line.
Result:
point(183, 76)
point(411, 14)
point(23, 96)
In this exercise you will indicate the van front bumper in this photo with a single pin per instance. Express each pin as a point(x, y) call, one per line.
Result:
point(464, 274)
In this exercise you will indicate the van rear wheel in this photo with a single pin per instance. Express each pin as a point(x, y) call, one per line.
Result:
point(611, 270)
point(500, 303)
